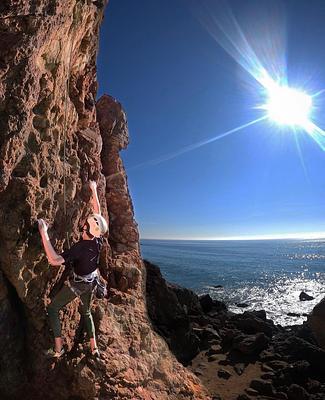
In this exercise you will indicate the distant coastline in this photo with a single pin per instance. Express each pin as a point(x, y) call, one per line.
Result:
point(289, 236)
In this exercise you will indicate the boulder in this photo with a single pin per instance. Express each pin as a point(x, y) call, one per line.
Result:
point(296, 392)
point(316, 322)
point(208, 304)
point(224, 374)
point(305, 297)
point(242, 305)
point(263, 387)
point(254, 322)
point(250, 344)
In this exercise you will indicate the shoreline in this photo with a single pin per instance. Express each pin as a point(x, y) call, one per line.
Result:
point(236, 356)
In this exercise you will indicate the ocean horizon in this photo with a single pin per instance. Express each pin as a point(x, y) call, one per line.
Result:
point(264, 274)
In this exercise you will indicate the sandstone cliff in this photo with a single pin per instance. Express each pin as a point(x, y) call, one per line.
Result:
point(53, 140)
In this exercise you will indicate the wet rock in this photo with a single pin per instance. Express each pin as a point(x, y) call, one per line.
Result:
point(305, 297)
point(242, 305)
point(291, 314)
point(208, 304)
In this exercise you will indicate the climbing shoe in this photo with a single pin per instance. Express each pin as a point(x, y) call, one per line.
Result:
point(51, 353)
point(95, 353)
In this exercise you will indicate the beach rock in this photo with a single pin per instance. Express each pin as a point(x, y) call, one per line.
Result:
point(244, 396)
point(208, 337)
point(263, 387)
point(254, 322)
point(281, 395)
point(213, 358)
point(252, 392)
point(267, 355)
point(277, 365)
point(224, 374)
point(291, 314)
point(224, 362)
point(299, 349)
point(239, 368)
point(242, 305)
point(250, 344)
point(268, 375)
point(208, 304)
point(296, 392)
point(266, 368)
point(305, 297)
point(214, 349)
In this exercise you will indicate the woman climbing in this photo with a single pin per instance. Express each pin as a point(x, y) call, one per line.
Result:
point(83, 256)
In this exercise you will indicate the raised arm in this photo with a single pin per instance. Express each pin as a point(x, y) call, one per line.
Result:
point(53, 257)
point(94, 198)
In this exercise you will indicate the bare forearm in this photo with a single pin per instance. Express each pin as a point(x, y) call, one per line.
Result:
point(53, 257)
point(95, 202)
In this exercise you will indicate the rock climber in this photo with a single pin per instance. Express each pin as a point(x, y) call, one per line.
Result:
point(83, 257)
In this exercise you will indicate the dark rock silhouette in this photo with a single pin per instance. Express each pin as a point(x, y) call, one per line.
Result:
point(305, 297)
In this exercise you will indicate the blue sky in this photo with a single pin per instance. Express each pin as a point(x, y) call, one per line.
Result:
point(180, 87)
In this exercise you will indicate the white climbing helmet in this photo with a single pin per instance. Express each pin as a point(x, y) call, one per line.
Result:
point(97, 225)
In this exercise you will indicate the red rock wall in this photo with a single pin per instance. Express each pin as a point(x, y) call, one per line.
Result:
point(52, 142)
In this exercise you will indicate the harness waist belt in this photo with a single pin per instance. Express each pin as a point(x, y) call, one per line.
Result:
point(89, 278)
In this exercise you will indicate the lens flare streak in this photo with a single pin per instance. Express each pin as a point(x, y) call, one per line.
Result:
point(186, 149)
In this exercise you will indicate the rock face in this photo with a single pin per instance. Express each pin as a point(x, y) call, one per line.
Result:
point(53, 140)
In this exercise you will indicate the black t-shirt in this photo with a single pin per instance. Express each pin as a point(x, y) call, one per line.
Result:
point(84, 256)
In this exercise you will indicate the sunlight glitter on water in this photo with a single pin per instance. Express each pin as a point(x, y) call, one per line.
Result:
point(278, 298)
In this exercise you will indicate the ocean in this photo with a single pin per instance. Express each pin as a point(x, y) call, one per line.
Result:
point(264, 274)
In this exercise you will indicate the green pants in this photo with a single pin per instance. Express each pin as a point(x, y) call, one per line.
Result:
point(63, 297)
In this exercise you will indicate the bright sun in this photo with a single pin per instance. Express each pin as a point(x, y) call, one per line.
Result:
point(288, 106)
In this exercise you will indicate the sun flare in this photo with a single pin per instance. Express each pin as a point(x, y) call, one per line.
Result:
point(288, 106)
